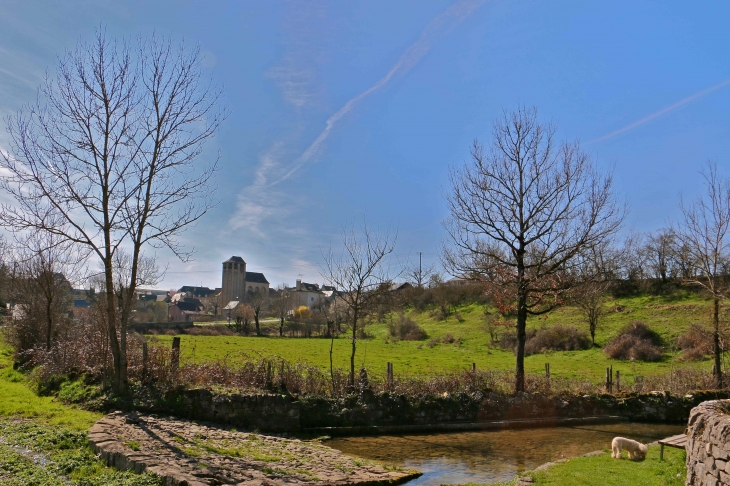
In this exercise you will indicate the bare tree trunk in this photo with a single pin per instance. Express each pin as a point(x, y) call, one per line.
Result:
point(351, 378)
point(332, 368)
point(716, 339)
point(521, 336)
point(118, 380)
point(49, 324)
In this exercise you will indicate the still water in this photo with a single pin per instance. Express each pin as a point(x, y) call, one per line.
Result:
point(492, 456)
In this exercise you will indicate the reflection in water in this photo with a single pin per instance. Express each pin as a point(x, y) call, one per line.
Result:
point(492, 456)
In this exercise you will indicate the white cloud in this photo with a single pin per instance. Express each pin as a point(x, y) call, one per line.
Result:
point(260, 201)
point(439, 26)
point(663, 111)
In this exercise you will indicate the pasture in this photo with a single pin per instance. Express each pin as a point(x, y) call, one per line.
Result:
point(669, 316)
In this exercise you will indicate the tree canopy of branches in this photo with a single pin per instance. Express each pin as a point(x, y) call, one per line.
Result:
point(41, 290)
point(521, 211)
point(108, 158)
point(359, 273)
point(704, 232)
point(282, 305)
point(594, 269)
point(259, 302)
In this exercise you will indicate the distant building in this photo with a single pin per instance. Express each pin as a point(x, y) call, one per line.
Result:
point(237, 282)
point(306, 294)
point(459, 281)
point(184, 310)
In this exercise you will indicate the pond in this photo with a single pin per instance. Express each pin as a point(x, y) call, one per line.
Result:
point(492, 456)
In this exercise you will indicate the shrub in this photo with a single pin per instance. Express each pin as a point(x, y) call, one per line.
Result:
point(508, 340)
point(635, 341)
point(445, 339)
point(406, 329)
point(302, 312)
point(214, 330)
point(557, 338)
point(698, 342)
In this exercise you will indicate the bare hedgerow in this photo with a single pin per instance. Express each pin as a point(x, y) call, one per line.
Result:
point(697, 342)
point(406, 329)
point(259, 373)
point(635, 341)
point(557, 338)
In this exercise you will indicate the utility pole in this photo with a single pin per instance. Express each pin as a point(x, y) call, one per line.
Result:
point(420, 270)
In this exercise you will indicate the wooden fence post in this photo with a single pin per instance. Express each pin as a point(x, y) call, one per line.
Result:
point(389, 373)
point(175, 356)
point(473, 367)
point(618, 381)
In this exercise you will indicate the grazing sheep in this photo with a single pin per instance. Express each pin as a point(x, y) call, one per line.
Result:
point(636, 450)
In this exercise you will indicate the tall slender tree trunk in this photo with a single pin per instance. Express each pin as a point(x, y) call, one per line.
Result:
point(351, 379)
point(521, 322)
point(117, 382)
point(332, 368)
point(716, 338)
point(49, 327)
point(521, 336)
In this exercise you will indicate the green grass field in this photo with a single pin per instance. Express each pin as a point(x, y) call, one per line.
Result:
point(668, 316)
point(604, 470)
point(43, 442)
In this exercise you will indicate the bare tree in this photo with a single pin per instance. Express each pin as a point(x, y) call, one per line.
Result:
point(5, 263)
point(215, 302)
point(282, 304)
point(521, 211)
point(704, 231)
point(635, 257)
point(108, 158)
point(660, 250)
point(359, 273)
point(419, 273)
point(259, 302)
point(243, 315)
point(41, 287)
point(594, 269)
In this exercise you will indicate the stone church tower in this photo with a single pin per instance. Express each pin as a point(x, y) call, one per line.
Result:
point(234, 280)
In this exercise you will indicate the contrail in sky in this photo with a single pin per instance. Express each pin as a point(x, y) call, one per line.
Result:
point(663, 111)
point(441, 25)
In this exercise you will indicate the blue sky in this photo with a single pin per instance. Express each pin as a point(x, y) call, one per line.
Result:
point(344, 109)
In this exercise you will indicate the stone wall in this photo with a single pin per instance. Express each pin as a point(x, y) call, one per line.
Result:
point(708, 444)
point(271, 412)
point(392, 409)
point(285, 413)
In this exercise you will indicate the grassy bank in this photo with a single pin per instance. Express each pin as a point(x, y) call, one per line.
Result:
point(45, 442)
point(603, 469)
point(669, 316)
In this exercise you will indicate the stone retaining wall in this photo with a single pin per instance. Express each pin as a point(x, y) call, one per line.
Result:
point(271, 413)
point(708, 444)
point(286, 413)
point(392, 409)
